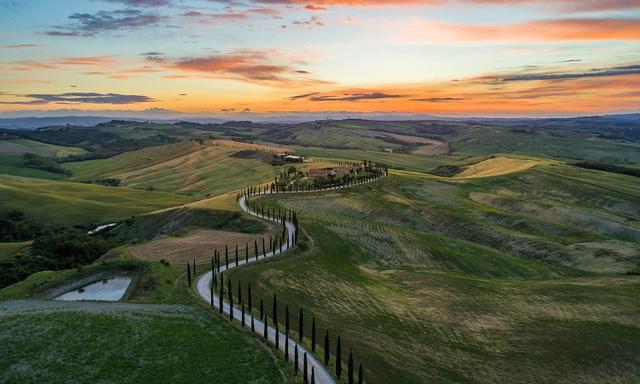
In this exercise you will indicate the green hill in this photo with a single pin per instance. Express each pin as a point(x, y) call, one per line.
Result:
point(78, 203)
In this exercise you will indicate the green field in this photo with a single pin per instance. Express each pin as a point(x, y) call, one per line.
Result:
point(516, 278)
point(177, 341)
point(78, 203)
point(14, 165)
point(188, 168)
point(8, 249)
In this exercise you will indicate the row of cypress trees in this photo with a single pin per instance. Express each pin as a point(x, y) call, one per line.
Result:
point(218, 284)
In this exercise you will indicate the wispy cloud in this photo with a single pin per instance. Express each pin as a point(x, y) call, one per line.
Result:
point(87, 24)
point(355, 97)
point(624, 70)
point(437, 99)
point(79, 98)
point(22, 46)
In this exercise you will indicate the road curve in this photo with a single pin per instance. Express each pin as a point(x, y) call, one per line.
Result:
point(203, 286)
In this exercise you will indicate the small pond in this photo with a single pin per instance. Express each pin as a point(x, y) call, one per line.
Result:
point(103, 290)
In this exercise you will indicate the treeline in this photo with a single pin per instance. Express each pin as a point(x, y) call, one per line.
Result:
point(609, 168)
point(53, 247)
point(446, 170)
point(49, 164)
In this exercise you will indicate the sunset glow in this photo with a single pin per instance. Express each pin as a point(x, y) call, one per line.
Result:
point(446, 57)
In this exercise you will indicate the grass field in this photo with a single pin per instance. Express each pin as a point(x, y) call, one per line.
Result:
point(188, 168)
point(428, 283)
point(497, 166)
point(78, 203)
point(8, 249)
point(14, 165)
point(136, 342)
point(22, 146)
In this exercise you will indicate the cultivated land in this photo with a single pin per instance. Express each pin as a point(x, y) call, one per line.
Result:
point(519, 268)
point(427, 284)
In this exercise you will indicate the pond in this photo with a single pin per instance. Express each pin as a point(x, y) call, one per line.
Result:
point(104, 290)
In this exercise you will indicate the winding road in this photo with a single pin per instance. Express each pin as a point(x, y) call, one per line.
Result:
point(203, 286)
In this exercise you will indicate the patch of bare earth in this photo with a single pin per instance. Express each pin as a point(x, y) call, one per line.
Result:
point(199, 244)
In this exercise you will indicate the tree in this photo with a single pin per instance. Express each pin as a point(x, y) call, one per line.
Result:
point(242, 306)
point(250, 306)
point(360, 374)
point(313, 333)
point(338, 359)
point(239, 292)
point(236, 255)
point(305, 369)
point(350, 367)
point(188, 273)
point(286, 333)
point(313, 375)
point(226, 257)
point(230, 299)
point(275, 320)
point(326, 348)
point(194, 267)
point(263, 251)
point(301, 325)
point(255, 248)
point(295, 359)
point(221, 292)
point(246, 253)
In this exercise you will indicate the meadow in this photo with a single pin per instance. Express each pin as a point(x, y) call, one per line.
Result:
point(64, 202)
point(429, 282)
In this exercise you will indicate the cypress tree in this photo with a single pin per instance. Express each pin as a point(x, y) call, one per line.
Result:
point(211, 292)
point(275, 320)
point(236, 255)
point(230, 299)
point(194, 267)
point(253, 328)
point(338, 359)
point(263, 251)
point(305, 369)
point(246, 253)
point(239, 292)
point(295, 359)
point(242, 306)
point(255, 248)
point(221, 292)
point(188, 273)
point(226, 257)
point(360, 374)
point(301, 325)
point(286, 333)
point(313, 375)
point(313, 333)
point(326, 348)
point(350, 367)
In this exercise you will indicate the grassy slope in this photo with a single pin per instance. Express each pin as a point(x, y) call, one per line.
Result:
point(54, 150)
point(429, 285)
point(77, 203)
point(112, 343)
point(184, 167)
point(14, 165)
point(8, 249)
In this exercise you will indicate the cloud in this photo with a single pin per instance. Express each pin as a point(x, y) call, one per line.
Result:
point(313, 20)
point(261, 67)
point(625, 70)
point(22, 46)
point(356, 97)
point(142, 3)
point(87, 24)
point(303, 96)
point(80, 98)
point(311, 7)
point(437, 99)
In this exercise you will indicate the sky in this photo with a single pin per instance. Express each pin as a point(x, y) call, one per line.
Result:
point(498, 58)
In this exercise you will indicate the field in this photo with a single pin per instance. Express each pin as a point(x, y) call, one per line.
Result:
point(22, 146)
point(8, 249)
point(92, 342)
point(78, 203)
point(187, 168)
point(428, 283)
point(497, 166)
